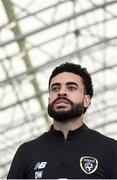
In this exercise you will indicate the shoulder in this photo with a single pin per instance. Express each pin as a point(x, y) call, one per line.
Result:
point(31, 145)
point(100, 138)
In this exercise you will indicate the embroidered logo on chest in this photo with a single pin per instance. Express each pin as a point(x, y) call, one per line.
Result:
point(88, 164)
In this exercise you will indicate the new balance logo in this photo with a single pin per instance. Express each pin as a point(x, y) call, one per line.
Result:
point(40, 165)
point(39, 168)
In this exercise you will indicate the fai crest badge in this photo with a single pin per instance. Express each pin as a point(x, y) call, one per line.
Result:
point(88, 164)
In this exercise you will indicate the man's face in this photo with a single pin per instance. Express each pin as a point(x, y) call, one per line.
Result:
point(67, 98)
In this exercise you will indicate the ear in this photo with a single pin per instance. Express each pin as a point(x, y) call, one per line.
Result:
point(87, 101)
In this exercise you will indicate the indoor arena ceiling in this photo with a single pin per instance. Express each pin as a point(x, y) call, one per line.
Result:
point(37, 35)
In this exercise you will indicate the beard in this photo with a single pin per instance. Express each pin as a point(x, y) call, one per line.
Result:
point(76, 110)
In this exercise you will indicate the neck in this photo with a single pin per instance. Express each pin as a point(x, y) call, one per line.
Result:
point(71, 125)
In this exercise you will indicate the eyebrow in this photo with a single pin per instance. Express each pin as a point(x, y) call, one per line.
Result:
point(72, 83)
point(68, 83)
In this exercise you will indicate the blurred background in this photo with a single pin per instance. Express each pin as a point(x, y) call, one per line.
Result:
point(37, 35)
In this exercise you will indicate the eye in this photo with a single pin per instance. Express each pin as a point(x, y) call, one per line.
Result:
point(72, 88)
point(55, 88)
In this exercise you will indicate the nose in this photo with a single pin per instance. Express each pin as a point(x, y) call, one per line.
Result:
point(62, 92)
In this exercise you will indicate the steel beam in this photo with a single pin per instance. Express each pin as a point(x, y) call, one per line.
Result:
point(16, 30)
point(51, 62)
point(38, 30)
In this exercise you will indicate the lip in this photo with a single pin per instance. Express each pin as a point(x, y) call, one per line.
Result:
point(62, 101)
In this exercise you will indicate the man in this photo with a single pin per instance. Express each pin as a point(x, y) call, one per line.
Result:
point(69, 150)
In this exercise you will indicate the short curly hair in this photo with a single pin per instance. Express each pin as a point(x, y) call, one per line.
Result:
point(76, 69)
